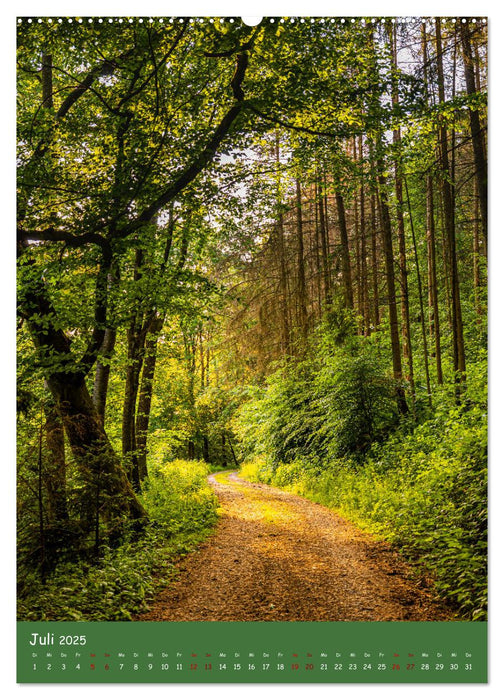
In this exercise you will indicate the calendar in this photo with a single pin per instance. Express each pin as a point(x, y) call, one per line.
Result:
point(234, 652)
point(252, 350)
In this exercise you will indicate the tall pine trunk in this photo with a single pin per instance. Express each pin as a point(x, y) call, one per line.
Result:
point(284, 281)
point(374, 259)
point(357, 244)
point(345, 252)
point(401, 234)
point(324, 246)
point(363, 248)
point(420, 298)
point(477, 135)
point(476, 260)
point(448, 196)
point(432, 276)
point(388, 253)
point(301, 276)
point(316, 242)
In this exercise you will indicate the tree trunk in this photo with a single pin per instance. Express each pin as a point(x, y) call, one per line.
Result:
point(420, 298)
point(284, 283)
point(403, 271)
point(401, 235)
point(98, 465)
point(476, 261)
point(135, 349)
point(374, 258)
point(136, 335)
point(324, 247)
point(477, 136)
point(54, 473)
point(434, 326)
point(40, 507)
point(47, 90)
point(357, 242)
point(206, 450)
point(301, 277)
point(223, 450)
point(318, 268)
point(190, 360)
point(392, 304)
point(449, 222)
point(102, 373)
point(345, 252)
point(145, 396)
point(284, 288)
point(100, 472)
point(363, 249)
point(432, 276)
point(233, 453)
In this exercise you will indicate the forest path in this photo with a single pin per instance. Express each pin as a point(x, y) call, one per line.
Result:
point(277, 556)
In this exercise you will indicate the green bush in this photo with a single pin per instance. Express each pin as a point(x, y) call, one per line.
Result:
point(330, 405)
point(357, 399)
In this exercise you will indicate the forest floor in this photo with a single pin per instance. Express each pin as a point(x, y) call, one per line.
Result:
point(278, 556)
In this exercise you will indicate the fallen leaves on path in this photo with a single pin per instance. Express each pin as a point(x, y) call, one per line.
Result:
point(277, 556)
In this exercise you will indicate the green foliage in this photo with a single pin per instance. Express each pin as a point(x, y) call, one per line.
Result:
point(424, 491)
point(185, 409)
point(358, 400)
point(336, 402)
point(178, 497)
point(122, 583)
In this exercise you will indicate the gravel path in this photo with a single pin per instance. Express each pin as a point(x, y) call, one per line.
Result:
point(277, 556)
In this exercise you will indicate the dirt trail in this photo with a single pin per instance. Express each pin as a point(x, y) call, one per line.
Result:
point(277, 556)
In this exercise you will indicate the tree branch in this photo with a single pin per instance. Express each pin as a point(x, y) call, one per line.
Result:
point(107, 67)
point(157, 66)
point(55, 235)
point(202, 160)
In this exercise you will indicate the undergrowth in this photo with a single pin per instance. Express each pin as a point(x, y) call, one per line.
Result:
point(423, 491)
point(122, 583)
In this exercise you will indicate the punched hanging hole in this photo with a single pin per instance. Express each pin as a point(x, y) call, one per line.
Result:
point(251, 21)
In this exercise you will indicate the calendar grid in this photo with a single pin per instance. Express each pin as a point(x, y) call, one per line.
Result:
point(228, 652)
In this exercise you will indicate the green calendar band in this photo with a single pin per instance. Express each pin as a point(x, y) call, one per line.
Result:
point(252, 652)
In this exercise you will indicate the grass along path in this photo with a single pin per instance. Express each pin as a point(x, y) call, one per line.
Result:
point(277, 556)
